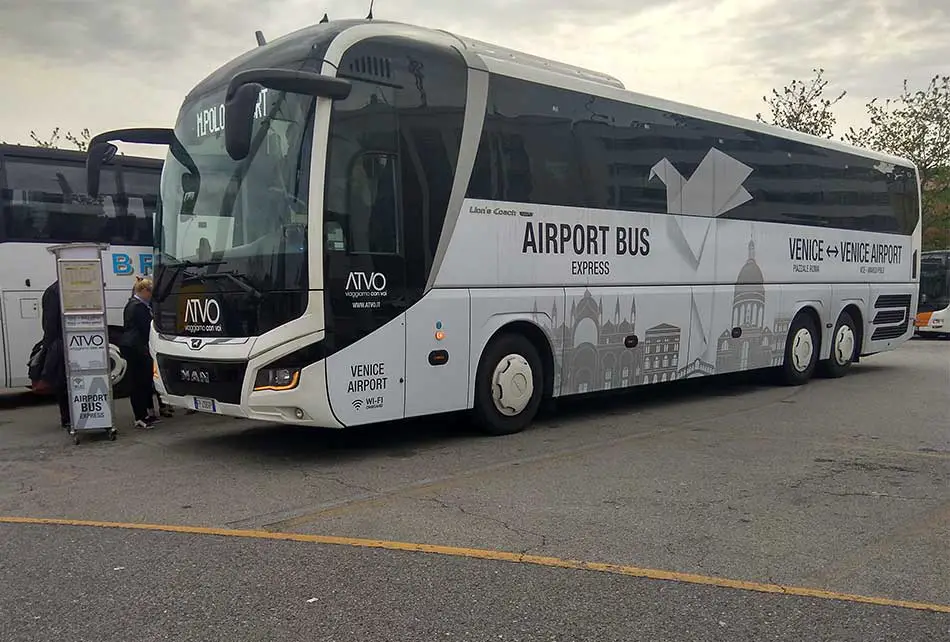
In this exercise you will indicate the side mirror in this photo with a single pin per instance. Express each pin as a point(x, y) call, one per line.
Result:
point(101, 150)
point(98, 155)
point(244, 91)
point(239, 120)
point(190, 183)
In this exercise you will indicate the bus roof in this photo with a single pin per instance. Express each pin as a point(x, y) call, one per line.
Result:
point(74, 156)
point(310, 44)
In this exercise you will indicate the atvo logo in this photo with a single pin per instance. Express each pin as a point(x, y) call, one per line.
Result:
point(86, 341)
point(363, 282)
point(203, 311)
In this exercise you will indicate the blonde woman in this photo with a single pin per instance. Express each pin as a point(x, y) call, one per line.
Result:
point(163, 408)
point(137, 321)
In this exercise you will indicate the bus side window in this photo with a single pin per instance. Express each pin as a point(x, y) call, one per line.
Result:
point(372, 205)
point(139, 197)
point(47, 202)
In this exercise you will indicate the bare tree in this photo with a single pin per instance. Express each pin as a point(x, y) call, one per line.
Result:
point(81, 142)
point(916, 126)
point(802, 106)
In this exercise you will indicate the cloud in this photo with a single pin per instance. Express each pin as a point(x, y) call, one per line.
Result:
point(89, 63)
point(92, 32)
point(869, 46)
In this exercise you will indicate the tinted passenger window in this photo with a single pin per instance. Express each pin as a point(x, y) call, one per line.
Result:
point(373, 213)
point(527, 152)
point(420, 102)
point(44, 200)
point(636, 158)
point(361, 196)
point(622, 147)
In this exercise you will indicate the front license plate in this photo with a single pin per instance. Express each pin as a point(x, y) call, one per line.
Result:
point(205, 405)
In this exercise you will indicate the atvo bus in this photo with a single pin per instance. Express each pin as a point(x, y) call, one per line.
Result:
point(409, 222)
point(933, 311)
point(43, 203)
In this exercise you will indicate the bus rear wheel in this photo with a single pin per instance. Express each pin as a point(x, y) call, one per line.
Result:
point(508, 385)
point(801, 351)
point(844, 346)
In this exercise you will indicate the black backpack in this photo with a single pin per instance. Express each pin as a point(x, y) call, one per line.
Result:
point(35, 364)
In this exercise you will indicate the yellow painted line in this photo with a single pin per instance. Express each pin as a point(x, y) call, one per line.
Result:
point(501, 556)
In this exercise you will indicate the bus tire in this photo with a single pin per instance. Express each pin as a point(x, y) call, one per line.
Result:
point(508, 385)
point(801, 351)
point(118, 366)
point(844, 346)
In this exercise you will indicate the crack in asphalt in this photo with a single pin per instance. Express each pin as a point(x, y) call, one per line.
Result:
point(873, 494)
point(517, 531)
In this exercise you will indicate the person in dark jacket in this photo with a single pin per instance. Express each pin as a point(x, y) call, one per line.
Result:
point(163, 408)
point(53, 374)
point(137, 322)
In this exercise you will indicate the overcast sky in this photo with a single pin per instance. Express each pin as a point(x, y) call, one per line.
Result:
point(105, 64)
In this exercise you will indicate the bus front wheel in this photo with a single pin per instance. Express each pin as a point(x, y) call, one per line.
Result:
point(801, 351)
point(508, 385)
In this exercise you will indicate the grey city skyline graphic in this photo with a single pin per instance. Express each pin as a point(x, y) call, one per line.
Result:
point(589, 343)
point(589, 348)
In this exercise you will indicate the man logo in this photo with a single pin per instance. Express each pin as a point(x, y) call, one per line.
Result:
point(196, 344)
point(357, 404)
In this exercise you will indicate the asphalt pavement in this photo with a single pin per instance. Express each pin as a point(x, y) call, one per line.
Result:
point(678, 512)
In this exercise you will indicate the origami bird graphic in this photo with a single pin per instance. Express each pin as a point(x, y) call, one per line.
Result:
point(713, 189)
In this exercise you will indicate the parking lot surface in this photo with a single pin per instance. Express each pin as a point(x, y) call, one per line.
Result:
point(731, 509)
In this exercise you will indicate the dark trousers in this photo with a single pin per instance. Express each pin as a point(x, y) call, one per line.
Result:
point(140, 380)
point(62, 398)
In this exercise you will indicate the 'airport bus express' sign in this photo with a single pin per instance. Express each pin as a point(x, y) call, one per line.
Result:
point(85, 337)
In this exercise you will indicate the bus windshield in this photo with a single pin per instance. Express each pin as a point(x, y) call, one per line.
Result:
point(243, 221)
point(216, 209)
point(934, 282)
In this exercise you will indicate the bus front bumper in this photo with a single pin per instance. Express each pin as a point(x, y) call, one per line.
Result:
point(306, 404)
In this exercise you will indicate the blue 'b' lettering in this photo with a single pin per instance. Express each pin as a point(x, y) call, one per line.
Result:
point(121, 264)
point(145, 263)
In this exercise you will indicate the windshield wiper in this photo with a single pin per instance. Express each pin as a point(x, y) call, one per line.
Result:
point(177, 267)
point(236, 278)
point(189, 264)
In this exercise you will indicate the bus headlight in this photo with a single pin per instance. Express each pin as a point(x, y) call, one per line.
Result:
point(277, 379)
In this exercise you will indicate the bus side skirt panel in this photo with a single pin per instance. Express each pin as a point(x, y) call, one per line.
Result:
point(438, 346)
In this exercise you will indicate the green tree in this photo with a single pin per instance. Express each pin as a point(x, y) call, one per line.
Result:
point(916, 126)
point(802, 106)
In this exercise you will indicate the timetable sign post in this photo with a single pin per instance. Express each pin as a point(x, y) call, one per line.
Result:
point(85, 336)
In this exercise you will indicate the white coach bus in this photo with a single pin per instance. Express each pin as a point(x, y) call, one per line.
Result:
point(411, 222)
point(42, 203)
point(933, 309)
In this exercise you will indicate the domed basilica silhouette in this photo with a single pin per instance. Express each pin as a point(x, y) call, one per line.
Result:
point(590, 354)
